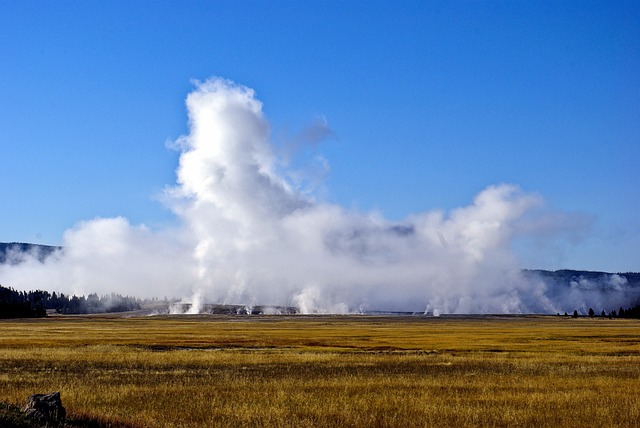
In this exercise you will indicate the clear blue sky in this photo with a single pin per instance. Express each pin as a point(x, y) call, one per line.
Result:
point(430, 102)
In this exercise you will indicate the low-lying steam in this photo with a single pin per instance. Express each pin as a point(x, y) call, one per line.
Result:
point(249, 235)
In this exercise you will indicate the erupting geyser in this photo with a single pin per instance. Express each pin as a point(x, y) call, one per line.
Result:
point(247, 235)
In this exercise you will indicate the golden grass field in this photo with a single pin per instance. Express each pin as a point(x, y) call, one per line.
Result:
point(333, 371)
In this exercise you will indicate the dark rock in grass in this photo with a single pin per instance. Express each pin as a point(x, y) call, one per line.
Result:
point(46, 407)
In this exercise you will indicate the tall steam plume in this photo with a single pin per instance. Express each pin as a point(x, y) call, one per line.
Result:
point(248, 235)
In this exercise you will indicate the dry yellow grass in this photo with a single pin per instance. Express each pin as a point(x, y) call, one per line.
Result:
point(329, 371)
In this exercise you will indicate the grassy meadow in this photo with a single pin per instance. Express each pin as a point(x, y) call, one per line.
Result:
point(333, 371)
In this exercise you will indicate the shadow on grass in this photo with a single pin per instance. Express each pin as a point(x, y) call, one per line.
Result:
point(12, 417)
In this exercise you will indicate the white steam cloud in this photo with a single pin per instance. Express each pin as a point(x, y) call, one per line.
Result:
point(248, 235)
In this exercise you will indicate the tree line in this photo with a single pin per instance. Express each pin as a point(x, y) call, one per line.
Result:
point(29, 304)
point(632, 312)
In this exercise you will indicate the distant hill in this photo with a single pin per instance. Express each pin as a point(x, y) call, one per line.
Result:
point(587, 291)
point(567, 276)
point(12, 252)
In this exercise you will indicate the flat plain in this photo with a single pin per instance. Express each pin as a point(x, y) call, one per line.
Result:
point(329, 371)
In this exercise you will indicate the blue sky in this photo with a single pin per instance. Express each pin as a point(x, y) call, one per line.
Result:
point(429, 102)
